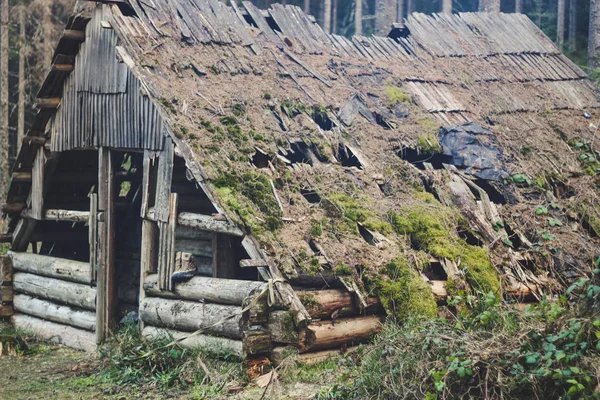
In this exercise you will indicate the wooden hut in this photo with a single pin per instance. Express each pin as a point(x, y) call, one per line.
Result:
point(187, 155)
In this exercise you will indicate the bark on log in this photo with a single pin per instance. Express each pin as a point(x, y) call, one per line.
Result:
point(319, 281)
point(60, 215)
point(6, 294)
point(57, 333)
point(6, 310)
point(6, 270)
point(209, 344)
point(256, 342)
point(200, 288)
point(52, 267)
point(323, 303)
point(192, 316)
point(330, 334)
point(55, 312)
point(74, 294)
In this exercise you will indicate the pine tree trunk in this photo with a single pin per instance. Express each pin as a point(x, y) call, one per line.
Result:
point(21, 101)
point(334, 17)
point(327, 16)
point(358, 18)
point(594, 34)
point(538, 6)
point(385, 13)
point(572, 25)
point(519, 6)
point(560, 24)
point(307, 6)
point(489, 5)
point(400, 11)
point(3, 101)
point(447, 7)
point(410, 7)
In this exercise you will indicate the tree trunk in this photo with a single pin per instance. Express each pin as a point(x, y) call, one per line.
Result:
point(594, 34)
point(385, 13)
point(21, 101)
point(489, 5)
point(58, 333)
point(47, 24)
point(330, 334)
point(307, 6)
point(55, 312)
point(334, 17)
point(447, 7)
point(410, 7)
point(3, 103)
point(192, 316)
point(400, 11)
point(560, 24)
point(327, 16)
point(572, 25)
point(358, 16)
point(519, 6)
point(73, 294)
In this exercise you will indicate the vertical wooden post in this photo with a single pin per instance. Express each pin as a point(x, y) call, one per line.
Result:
point(6, 290)
point(148, 257)
point(223, 265)
point(93, 237)
point(37, 185)
point(105, 313)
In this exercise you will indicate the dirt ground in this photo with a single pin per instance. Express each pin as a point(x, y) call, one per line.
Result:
point(57, 372)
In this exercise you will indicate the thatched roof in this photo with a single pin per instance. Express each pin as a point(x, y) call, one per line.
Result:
point(263, 97)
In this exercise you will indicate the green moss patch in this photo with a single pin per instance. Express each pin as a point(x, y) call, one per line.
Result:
point(353, 211)
point(396, 95)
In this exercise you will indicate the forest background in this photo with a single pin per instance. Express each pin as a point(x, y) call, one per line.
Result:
point(29, 30)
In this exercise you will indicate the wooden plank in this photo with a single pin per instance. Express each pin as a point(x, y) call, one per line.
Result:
point(6, 294)
point(164, 180)
point(6, 270)
point(149, 254)
point(172, 225)
point(93, 236)
point(51, 267)
point(70, 34)
point(22, 234)
point(48, 103)
point(223, 257)
point(253, 263)
point(208, 223)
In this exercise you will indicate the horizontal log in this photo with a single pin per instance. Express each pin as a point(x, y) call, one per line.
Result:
point(192, 316)
point(74, 35)
point(198, 248)
point(253, 263)
point(52, 267)
point(331, 334)
point(60, 215)
point(325, 279)
point(62, 67)
point(323, 303)
point(73, 294)
point(34, 140)
point(200, 288)
point(205, 223)
point(55, 312)
point(21, 177)
point(48, 103)
point(209, 344)
point(57, 333)
point(256, 342)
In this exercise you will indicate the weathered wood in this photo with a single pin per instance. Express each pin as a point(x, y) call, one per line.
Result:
point(199, 248)
point(62, 67)
point(171, 249)
point(58, 215)
point(51, 267)
point(438, 288)
point(253, 263)
point(323, 303)
point(6, 270)
point(223, 257)
point(37, 185)
point(191, 316)
point(256, 342)
point(163, 182)
point(58, 333)
point(23, 234)
point(258, 314)
point(281, 353)
point(6, 294)
point(187, 233)
point(21, 177)
point(208, 344)
point(200, 288)
point(6, 310)
point(149, 257)
point(33, 140)
point(48, 103)
point(93, 236)
point(322, 280)
point(281, 328)
point(74, 294)
point(55, 312)
point(74, 35)
point(208, 223)
point(330, 334)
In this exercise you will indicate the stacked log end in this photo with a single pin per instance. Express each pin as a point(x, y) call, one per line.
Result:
point(6, 288)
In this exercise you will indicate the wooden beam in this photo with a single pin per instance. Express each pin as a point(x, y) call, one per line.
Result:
point(208, 223)
point(55, 312)
point(34, 140)
point(253, 263)
point(51, 267)
point(13, 207)
point(62, 67)
point(59, 215)
point(48, 103)
point(71, 34)
point(58, 333)
point(209, 344)
point(223, 257)
point(21, 177)
point(331, 334)
point(74, 294)
point(37, 185)
point(6, 270)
